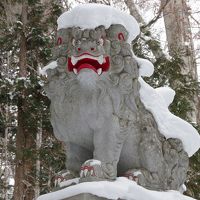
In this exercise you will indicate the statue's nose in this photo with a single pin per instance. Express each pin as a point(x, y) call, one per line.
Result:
point(87, 46)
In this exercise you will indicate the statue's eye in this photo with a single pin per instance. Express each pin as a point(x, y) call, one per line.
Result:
point(76, 43)
point(59, 41)
point(121, 36)
point(100, 42)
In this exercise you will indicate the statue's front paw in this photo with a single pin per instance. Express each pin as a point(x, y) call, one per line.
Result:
point(91, 170)
point(95, 170)
point(61, 177)
point(144, 178)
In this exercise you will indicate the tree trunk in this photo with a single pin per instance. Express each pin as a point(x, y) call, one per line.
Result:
point(156, 50)
point(12, 9)
point(134, 11)
point(6, 166)
point(180, 43)
point(38, 163)
point(24, 140)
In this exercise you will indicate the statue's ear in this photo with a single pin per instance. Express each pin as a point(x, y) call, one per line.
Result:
point(117, 32)
point(63, 36)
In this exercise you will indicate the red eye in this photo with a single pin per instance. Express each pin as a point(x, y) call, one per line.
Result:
point(121, 36)
point(59, 41)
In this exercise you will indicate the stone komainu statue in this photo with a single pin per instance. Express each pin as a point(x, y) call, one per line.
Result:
point(97, 111)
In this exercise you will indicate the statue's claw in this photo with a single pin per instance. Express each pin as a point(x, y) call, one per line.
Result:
point(144, 178)
point(87, 171)
point(91, 170)
point(62, 176)
point(131, 177)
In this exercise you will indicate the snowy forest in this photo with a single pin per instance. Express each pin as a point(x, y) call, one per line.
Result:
point(30, 156)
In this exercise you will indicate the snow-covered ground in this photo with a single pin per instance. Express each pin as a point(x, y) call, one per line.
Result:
point(121, 188)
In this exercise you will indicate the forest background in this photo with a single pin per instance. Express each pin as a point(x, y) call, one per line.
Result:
point(30, 156)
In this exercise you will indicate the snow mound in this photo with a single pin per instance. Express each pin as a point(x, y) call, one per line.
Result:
point(69, 182)
point(122, 188)
point(51, 65)
point(146, 68)
point(90, 16)
point(167, 94)
point(171, 126)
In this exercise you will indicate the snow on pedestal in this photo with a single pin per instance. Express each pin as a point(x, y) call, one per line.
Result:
point(122, 188)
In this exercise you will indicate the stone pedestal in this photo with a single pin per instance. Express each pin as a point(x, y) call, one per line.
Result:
point(86, 197)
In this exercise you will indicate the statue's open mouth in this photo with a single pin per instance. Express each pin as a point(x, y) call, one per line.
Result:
point(98, 64)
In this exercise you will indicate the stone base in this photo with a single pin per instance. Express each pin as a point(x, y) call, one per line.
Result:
point(85, 197)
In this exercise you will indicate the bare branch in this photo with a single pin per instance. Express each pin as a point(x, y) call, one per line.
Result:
point(162, 6)
point(197, 21)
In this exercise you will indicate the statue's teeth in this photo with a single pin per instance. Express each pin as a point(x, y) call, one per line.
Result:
point(92, 172)
point(81, 173)
point(100, 59)
point(99, 71)
point(75, 71)
point(74, 60)
point(85, 171)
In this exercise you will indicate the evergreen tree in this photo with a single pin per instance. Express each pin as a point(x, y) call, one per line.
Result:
point(28, 39)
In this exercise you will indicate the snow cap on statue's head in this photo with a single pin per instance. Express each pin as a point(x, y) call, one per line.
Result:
point(90, 16)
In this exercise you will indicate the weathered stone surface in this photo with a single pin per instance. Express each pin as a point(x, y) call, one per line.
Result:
point(101, 119)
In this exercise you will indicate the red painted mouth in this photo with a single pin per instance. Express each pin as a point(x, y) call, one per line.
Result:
point(89, 63)
point(86, 54)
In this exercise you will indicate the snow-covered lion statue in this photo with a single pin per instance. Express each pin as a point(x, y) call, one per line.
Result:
point(111, 121)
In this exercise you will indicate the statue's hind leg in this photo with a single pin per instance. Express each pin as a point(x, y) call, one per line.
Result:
point(151, 170)
point(151, 173)
point(163, 162)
